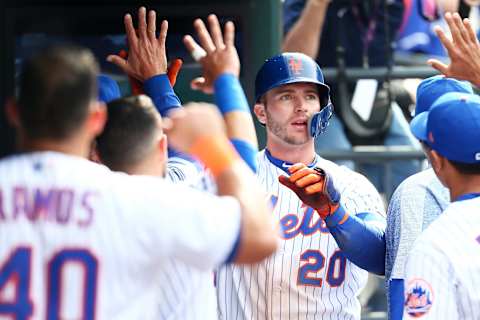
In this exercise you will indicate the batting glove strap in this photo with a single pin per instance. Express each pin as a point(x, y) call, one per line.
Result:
point(329, 187)
point(339, 216)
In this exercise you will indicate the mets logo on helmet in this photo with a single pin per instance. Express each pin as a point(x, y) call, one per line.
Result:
point(418, 298)
point(295, 65)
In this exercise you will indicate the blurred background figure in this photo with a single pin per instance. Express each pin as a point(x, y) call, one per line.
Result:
point(354, 34)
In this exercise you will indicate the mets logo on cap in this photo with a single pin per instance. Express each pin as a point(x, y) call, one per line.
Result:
point(418, 298)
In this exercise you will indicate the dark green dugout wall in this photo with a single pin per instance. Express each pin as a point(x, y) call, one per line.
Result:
point(258, 37)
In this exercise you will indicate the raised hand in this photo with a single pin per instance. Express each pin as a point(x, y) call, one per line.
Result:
point(463, 50)
point(314, 187)
point(147, 54)
point(185, 125)
point(216, 52)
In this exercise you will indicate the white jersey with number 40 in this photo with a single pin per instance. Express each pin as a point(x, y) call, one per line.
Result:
point(78, 241)
point(443, 269)
point(308, 277)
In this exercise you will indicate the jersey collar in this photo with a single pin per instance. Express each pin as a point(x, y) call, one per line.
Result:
point(284, 165)
point(467, 196)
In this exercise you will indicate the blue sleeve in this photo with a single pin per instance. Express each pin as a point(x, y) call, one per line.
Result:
point(361, 238)
point(247, 152)
point(292, 9)
point(158, 88)
point(396, 297)
point(229, 95)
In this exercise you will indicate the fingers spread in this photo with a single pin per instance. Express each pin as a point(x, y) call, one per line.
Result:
point(119, 62)
point(462, 32)
point(151, 26)
point(204, 36)
point(197, 83)
point(438, 65)
point(447, 43)
point(216, 31)
point(229, 34)
point(142, 23)
point(163, 33)
point(194, 48)
point(472, 37)
point(130, 30)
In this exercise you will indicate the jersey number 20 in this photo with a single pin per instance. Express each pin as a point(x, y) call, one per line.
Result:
point(17, 271)
point(315, 261)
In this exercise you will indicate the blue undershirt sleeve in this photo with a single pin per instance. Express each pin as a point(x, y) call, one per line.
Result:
point(229, 97)
point(158, 88)
point(361, 238)
point(397, 299)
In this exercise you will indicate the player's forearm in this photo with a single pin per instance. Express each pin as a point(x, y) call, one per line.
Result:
point(305, 34)
point(258, 237)
point(361, 238)
point(233, 105)
point(159, 89)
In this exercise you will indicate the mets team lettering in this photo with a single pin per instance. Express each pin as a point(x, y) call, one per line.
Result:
point(308, 277)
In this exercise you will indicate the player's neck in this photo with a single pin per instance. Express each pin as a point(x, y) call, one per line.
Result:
point(68, 146)
point(464, 185)
point(304, 153)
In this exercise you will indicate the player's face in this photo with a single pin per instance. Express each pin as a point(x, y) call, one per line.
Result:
point(287, 109)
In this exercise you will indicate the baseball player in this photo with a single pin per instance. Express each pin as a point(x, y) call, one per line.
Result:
point(315, 273)
point(443, 268)
point(417, 202)
point(82, 242)
point(126, 145)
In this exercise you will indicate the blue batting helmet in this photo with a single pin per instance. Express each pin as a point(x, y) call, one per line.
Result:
point(290, 67)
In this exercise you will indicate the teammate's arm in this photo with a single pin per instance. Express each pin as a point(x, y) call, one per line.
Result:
point(429, 285)
point(194, 131)
point(361, 237)
point(400, 237)
point(221, 68)
point(304, 26)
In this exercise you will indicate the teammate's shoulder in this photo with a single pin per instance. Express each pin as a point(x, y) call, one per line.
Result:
point(425, 180)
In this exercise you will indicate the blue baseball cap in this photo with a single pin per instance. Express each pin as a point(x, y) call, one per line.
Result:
point(108, 88)
point(430, 89)
point(452, 127)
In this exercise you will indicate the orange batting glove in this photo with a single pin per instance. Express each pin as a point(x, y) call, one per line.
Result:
point(314, 187)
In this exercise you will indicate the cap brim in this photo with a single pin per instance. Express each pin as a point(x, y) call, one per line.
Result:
point(418, 126)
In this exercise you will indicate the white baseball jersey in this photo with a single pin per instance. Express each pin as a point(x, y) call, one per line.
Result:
point(78, 241)
point(308, 277)
point(190, 172)
point(183, 289)
point(443, 270)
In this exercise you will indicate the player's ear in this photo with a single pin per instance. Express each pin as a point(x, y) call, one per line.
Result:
point(97, 117)
point(438, 165)
point(162, 146)
point(259, 110)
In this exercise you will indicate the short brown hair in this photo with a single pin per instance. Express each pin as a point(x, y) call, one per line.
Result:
point(55, 90)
